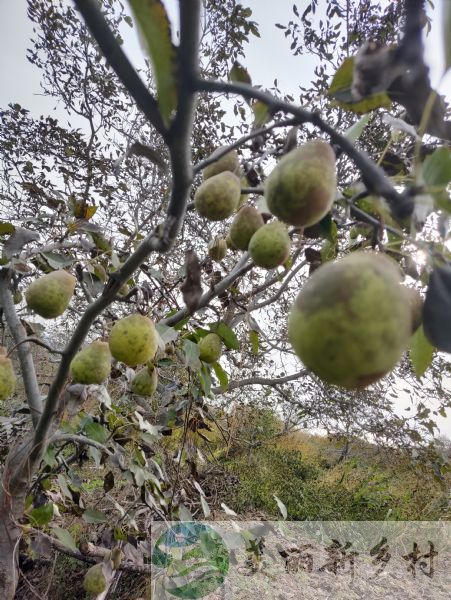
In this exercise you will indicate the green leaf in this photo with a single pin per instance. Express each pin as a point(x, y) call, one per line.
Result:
point(254, 340)
point(228, 336)
point(437, 168)
point(96, 432)
point(356, 130)
point(222, 376)
point(91, 515)
point(57, 261)
point(446, 22)
point(340, 91)
point(421, 352)
point(6, 228)
point(261, 113)
point(154, 25)
point(41, 516)
point(65, 538)
point(191, 351)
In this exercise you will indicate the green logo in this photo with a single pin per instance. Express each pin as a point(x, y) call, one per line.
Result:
point(194, 557)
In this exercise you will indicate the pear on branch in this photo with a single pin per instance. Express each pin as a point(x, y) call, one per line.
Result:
point(301, 188)
point(218, 197)
point(7, 375)
point(349, 323)
point(270, 245)
point(133, 340)
point(210, 348)
point(244, 225)
point(49, 296)
point(228, 162)
point(145, 382)
point(92, 365)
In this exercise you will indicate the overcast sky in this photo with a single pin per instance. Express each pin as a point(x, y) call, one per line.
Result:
point(265, 61)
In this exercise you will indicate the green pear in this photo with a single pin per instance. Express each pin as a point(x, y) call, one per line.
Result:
point(145, 382)
point(349, 323)
point(7, 376)
point(210, 348)
point(92, 364)
point(217, 249)
point(133, 340)
point(217, 198)
point(270, 245)
point(49, 296)
point(94, 581)
point(228, 162)
point(244, 225)
point(301, 188)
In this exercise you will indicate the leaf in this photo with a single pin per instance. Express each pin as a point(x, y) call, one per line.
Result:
point(421, 352)
point(65, 537)
point(239, 74)
point(184, 513)
point(42, 515)
point(222, 376)
point(205, 507)
point(108, 482)
point(446, 23)
point(139, 149)
point(154, 25)
point(340, 91)
point(227, 510)
point(192, 286)
point(437, 168)
point(437, 309)
point(228, 335)
point(261, 113)
point(166, 333)
point(96, 432)
point(282, 507)
point(91, 515)
point(356, 130)
point(18, 240)
point(254, 340)
point(57, 261)
point(191, 351)
point(6, 228)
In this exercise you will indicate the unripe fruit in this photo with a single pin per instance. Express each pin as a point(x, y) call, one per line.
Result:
point(49, 296)
point(133, 340)
point(270, 245)
point(247, 221)
point(94, 581)
point(145, 382)
point(7, 376)
point(218, 197)
point(217, 249)
point(302, 187)
point(92, 364)
point(230, 244)
point(349, 323)
point(228, 162)
point(210, 348)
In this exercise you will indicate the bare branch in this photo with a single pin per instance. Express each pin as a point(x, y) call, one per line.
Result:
point(34, 341)
point(233, 385)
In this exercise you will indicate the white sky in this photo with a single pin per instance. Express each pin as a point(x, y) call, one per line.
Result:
point(264, 60)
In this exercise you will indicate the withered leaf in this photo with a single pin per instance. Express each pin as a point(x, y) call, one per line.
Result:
point(192, 286)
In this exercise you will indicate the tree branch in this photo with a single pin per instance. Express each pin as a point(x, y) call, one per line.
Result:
point(373, 175)
point(79, 440)
point(34, 341)
point(233, 385)
point(118, 61)
point(19, 336)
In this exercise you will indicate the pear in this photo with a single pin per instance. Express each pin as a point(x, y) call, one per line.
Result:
point(244, 225)
point(7, 376)
point(133, 340)
point(415, 302)
point(217, 249)
point(94, 581)
point(349, 323)
point(210, 348)
point(218, 197)
point(92, 364)
point(145, 382)
point(228, 162)
point(270, 245)
point(301, 188)
point(49, 296)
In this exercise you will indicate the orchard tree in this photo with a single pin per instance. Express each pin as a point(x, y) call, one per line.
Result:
point(193, 239)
